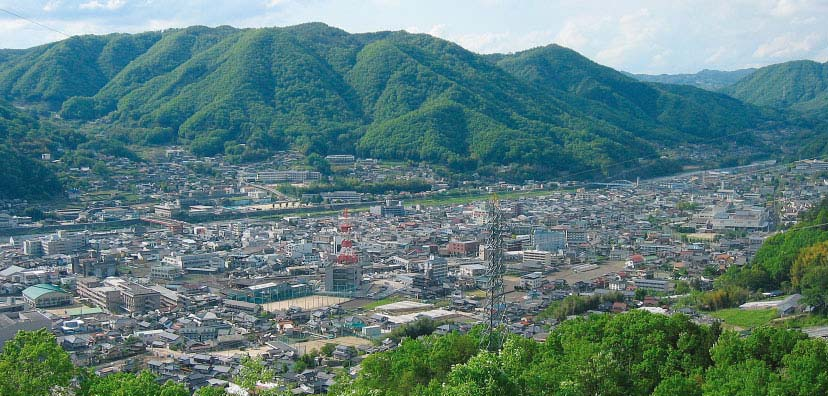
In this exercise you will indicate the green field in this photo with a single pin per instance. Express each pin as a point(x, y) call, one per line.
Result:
point(802, 321)
point(746, 318)
point(478, 196)
point(377, 303)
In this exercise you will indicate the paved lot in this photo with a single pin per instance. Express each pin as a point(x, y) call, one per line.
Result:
point(308, 303)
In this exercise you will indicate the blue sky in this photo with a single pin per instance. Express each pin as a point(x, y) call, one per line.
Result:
point(658, 36)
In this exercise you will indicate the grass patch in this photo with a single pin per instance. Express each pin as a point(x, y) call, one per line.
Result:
point(745, 318)
point(476, 294)
point(387, 300)
point(802, 321)
point(455, 199)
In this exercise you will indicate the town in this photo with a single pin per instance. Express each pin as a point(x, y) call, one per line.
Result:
point(184, 266)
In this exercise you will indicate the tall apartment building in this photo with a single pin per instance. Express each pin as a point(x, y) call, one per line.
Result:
point(33, 248)
point(550, 240)
point(343, 278)
point(436, 269)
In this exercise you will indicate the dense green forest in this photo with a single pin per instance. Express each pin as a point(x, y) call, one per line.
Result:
point(21, 139)
point(630, 354)
point(395, 95)
point(798, 85)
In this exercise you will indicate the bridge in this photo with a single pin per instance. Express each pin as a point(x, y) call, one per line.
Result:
point(615, 184)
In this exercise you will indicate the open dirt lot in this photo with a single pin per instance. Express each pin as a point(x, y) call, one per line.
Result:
point(572, 276)
point(307, 346)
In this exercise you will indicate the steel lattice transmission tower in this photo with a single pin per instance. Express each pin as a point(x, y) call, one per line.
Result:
point(495, 268)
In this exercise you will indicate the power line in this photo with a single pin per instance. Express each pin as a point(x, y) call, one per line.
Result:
point(14, 14)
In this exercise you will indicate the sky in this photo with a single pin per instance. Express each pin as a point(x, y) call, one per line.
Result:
point(639, 36)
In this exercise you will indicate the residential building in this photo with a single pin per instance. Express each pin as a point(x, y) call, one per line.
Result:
point(463, 248)
point(656, 285)
point(343, 278)
point(532, 281)
point(340, 159)
point(541, 257)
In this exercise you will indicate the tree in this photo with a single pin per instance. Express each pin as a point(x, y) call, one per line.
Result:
point(319, 163)
point(210, 391)
point(127, 384)
point(252, 372)
point(813, 256)
point(328, 349)
point(35, 213)
point(814, 287)
point(807, 368)
point(32, 364)
point(482, 375)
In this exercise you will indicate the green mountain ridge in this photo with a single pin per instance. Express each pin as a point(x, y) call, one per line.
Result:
point(672, 110)
point(712, 80)
point(247, 92)
point(801, 86)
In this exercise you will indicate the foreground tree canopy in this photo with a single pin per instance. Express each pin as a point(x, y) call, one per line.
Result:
point(637, 353)
point(629, 354)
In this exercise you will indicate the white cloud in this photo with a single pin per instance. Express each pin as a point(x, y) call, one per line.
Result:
point(717, 56)
point(635, 36)
point(581, 32)
point(52, 5)
point(110, 5)
point(791, 45)
point(275, 3)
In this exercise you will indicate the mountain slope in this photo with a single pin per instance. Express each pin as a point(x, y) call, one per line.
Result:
point(246, 92)
point(22, 177)
point(683, 112)
point(799, 85)
point(711, 80)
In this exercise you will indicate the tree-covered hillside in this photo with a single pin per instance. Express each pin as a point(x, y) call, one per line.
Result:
point(672, 112)
point(247, 92)
point(631, 354)
point(799, 85)
point(22, 176)
point(712, 80)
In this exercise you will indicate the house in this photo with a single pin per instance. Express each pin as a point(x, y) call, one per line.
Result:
point(618, 307)
point(343, 352)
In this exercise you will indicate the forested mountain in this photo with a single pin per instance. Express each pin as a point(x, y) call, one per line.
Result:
point(672, 112)
point(712, 80)
point(22, 176)
point(246, 92)
point(799, 85)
